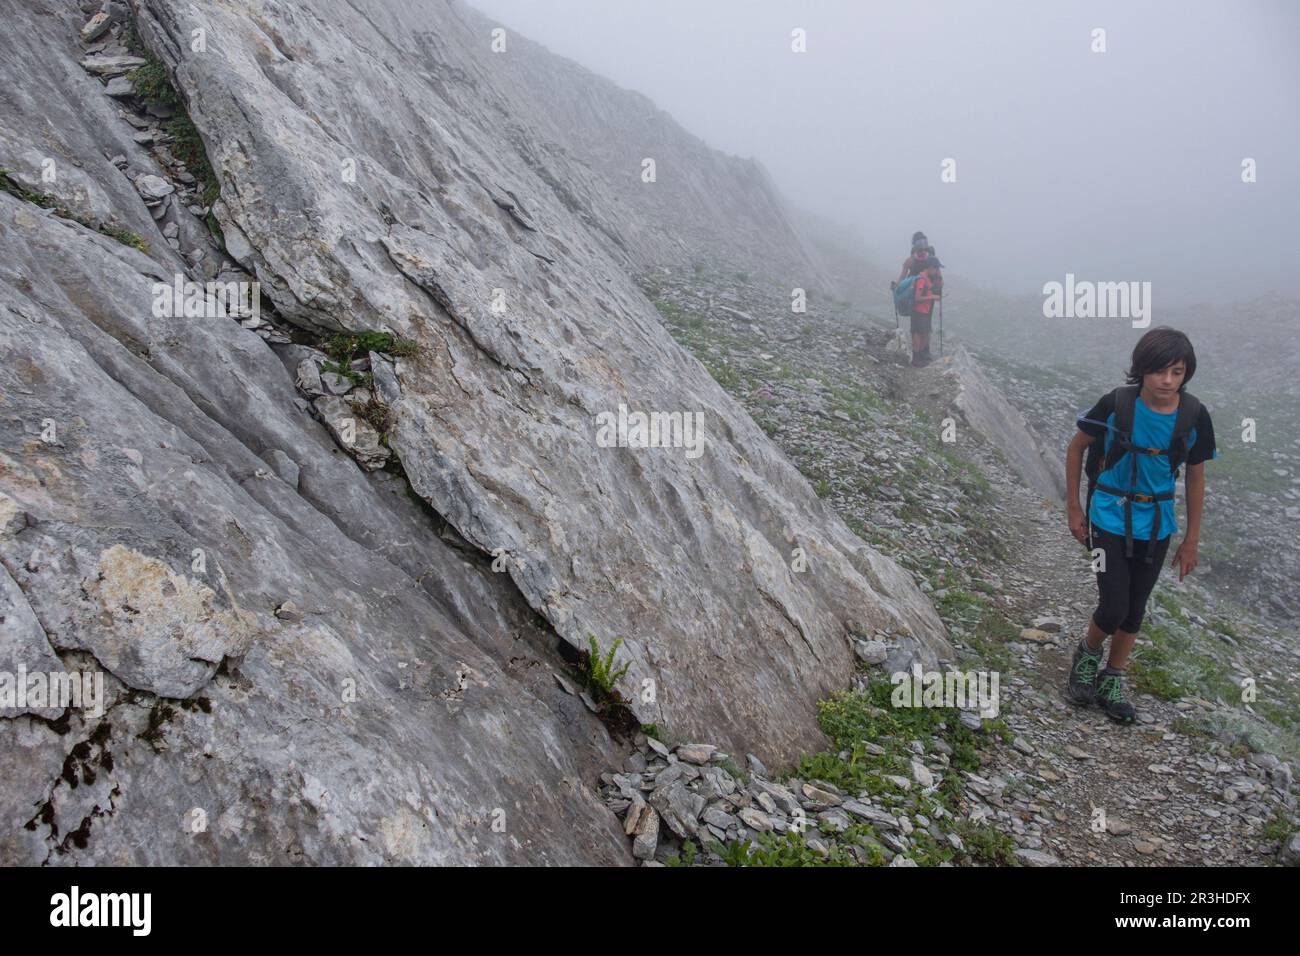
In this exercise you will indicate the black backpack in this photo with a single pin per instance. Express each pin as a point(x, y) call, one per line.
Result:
point(1098, 461)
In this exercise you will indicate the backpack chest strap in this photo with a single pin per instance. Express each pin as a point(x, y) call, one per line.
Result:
point(1127, 445)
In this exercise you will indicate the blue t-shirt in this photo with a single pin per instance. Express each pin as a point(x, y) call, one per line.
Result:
point(1150, 430)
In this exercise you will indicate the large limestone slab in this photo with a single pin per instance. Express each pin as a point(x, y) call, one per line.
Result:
point(989, 413)
point(529, 331)
point(367, 728)
point(405, 712)
point(321, 671)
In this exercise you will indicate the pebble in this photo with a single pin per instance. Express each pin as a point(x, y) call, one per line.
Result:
point(695, 753)
point(153, 187)
point(95, 27)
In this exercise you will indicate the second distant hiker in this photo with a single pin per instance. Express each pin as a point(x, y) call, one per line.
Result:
point(929, 286)
point(918, 287)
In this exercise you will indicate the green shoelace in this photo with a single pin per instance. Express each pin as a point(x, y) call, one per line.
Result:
point(1086, 669)
point(1112, 688)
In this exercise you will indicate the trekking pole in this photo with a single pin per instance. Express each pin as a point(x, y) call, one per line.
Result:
point(939, 303)
point(898, 320)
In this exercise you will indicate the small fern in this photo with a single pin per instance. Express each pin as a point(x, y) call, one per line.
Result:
point(686, 857)
point(601, 675)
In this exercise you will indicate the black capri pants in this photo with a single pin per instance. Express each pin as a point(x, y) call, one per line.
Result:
point(1125, 585)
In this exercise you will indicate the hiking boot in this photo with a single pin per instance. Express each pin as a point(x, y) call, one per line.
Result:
point(1110, 698)
point(1082, 684)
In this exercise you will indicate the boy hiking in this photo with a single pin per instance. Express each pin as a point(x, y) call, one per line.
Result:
point(1137, 437)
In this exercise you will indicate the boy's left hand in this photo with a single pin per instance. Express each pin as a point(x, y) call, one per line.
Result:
point(1185, 558)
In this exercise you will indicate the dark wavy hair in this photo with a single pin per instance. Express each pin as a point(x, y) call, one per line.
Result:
point(1160, 348)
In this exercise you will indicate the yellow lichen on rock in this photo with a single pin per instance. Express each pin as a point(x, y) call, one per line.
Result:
point(138, 591)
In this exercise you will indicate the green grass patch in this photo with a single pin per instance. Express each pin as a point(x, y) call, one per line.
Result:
point(851, 720)
point(686, 857)
point(728, 764)
point(724, 373)
point(126, 237)
point(353, 376)
point(1171, 666)
point(988, 629)
point(187, 146)
point(347, 347)
point(152, 83)
point(989, 641)
point(986, 844)
point(785, 849)
point(1279, 827)
point(16, 189)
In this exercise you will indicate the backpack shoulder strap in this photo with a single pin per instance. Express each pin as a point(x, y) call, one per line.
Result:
point(1125, 409)
point(1189, 412)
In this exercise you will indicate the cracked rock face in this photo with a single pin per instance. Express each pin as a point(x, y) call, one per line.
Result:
point(405, 710)
point(529, 331)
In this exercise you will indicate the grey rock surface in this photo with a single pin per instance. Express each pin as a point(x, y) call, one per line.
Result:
point(232, 736)
point(989, 412)
point(674, 220)
point(342, 738)
point(405, 712)
point(497, 427)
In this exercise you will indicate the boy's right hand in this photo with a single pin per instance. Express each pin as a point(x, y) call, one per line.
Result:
point(1078, 527)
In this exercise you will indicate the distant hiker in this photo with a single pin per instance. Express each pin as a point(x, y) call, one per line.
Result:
point(1147, 430)
point(925, 294)
point(912, 265)
point(920, 274)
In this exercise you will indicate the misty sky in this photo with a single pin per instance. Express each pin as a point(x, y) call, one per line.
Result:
point(1123, 165)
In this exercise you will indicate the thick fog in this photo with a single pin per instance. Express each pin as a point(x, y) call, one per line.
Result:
point(1125, 164)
